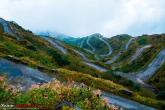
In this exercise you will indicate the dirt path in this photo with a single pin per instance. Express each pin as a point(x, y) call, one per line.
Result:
point(129, 42)
point(153, 66)
point(88, 39)
point(139, 52)
point(141, 76)
point(109, 47)
point(56, 45)
point(89, 63)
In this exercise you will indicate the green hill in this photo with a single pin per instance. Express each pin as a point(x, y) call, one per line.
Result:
point(74, 59)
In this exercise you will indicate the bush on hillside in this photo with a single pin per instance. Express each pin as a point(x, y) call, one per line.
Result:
point(61, 59)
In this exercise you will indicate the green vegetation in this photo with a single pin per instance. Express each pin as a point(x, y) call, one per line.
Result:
point(118, 42)
point(142, 61)
point(106, 85)
point(142, 40)
point(61, 60)
point(89, 80)
point(123, 81)
point(123, 62)
point(158, 80)
point(5, 96)
point(123, 59)
point(49, 96)
point(100, 46)
point(32, 50)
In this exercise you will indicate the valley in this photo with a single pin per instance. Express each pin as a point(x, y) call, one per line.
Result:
point(120, 66)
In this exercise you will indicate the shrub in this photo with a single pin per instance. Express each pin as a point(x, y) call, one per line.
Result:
point(142, 40)
point(52, 94)
point(161, 95)
point(61, 60)
point(6, 96)
point(43, 97)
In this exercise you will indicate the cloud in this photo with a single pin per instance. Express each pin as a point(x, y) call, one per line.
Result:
point(84, 17)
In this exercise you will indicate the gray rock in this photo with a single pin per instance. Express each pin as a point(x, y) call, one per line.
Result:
point(6, 26)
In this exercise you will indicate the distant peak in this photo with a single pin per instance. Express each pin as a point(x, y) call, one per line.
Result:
point(122, 36)
point(96, 35)
point(2, 20)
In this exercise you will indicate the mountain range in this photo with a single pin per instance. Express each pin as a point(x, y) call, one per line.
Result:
point(123, 67)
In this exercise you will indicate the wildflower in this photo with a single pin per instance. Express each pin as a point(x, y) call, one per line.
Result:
point(35, 86)
point(97, 92)
point(1, 78)
point(106, 101)
point(113, 107)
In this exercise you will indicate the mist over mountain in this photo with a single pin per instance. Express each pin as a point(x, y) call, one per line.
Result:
point(54, 70)
point(83, 18)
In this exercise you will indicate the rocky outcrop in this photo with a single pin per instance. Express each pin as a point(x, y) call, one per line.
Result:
point(6, 27)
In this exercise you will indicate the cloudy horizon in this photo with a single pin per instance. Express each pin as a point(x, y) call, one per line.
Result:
point(84, 17)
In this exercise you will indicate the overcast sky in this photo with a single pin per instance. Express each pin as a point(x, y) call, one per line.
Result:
point(84, 17)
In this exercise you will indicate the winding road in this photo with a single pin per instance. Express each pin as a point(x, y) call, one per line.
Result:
point(21, 75)
point(88, 39)
point(141, 76)
point(82, 42)
point(153, 66)
point(139, 52)
point(89, 63)
point(82, 56)
point(94, 49)
point(115, 57)
point(129, 42)
point(125, 103)
point(85, 59)
point(99, 68)
point(81, 46)
point(89, 51)
point(109, 47)
point(56, 45)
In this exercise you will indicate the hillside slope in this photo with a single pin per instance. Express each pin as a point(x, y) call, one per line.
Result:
point(130, 55)
point(41, 58)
